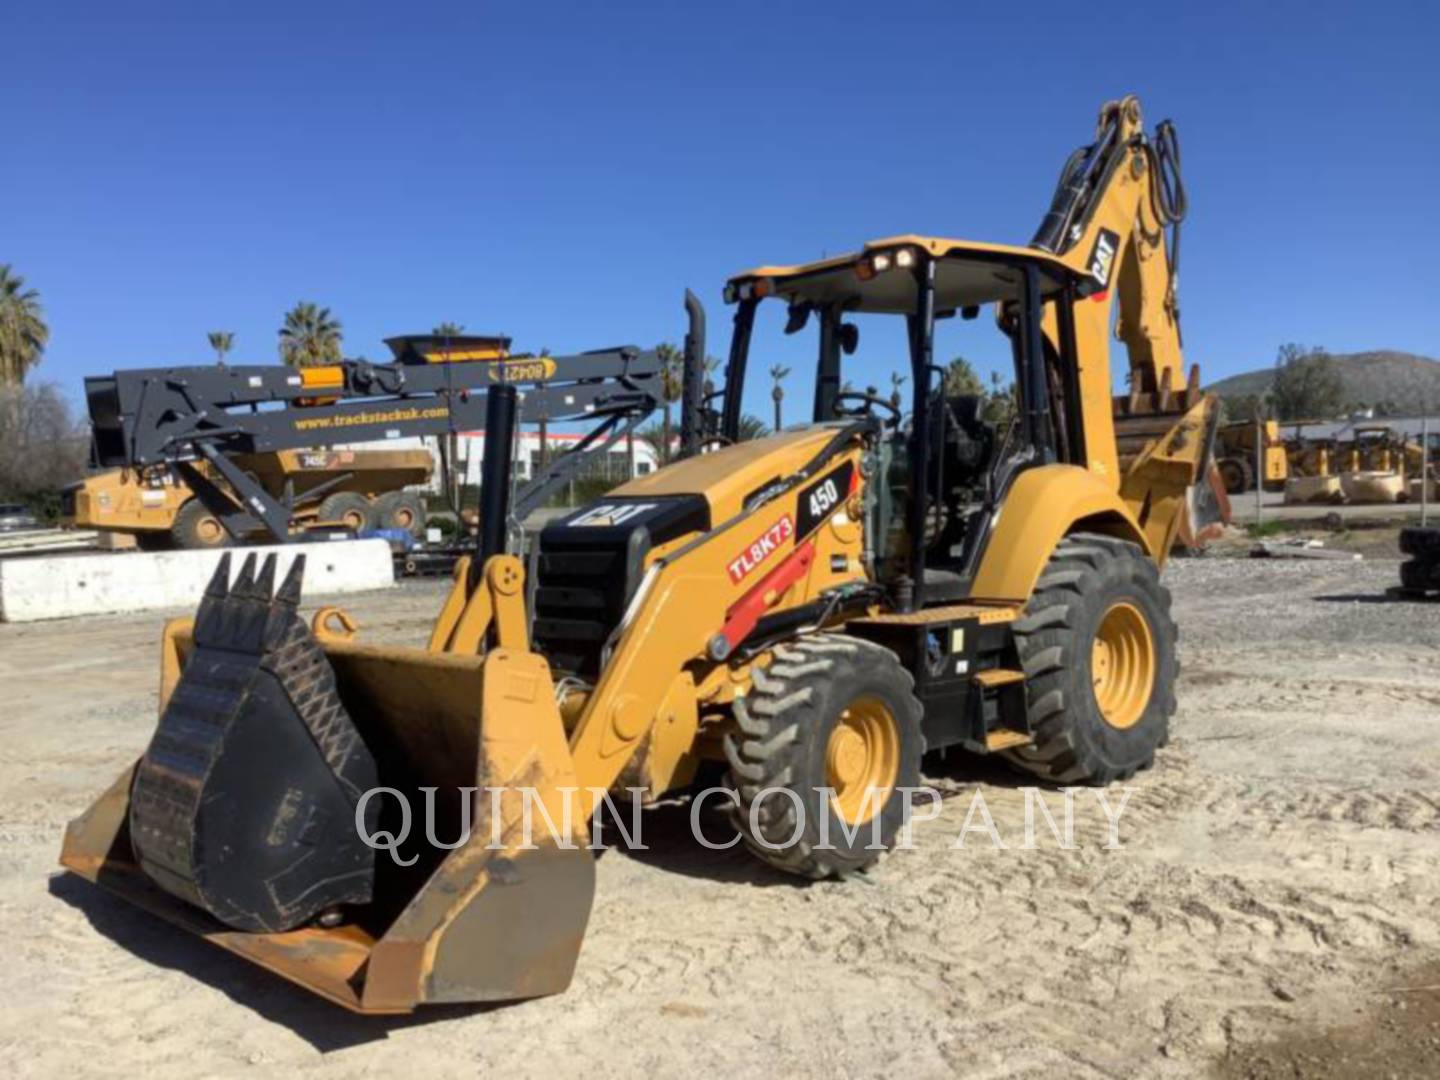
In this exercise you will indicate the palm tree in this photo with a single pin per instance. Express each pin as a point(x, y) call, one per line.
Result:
point(751, 427)
point(896, 381)
point(777, 393)
point(310, 336)
point(222, 341)
point(672, 385)
point(23, 332)
point(448, 329)
point(960, 379)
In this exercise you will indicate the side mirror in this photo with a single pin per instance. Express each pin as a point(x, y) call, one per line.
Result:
point(799, 315)
point(849, 338)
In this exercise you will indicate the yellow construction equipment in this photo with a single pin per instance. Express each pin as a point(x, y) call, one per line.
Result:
point(1237, 460)
point(810, 612)
point(354, 489)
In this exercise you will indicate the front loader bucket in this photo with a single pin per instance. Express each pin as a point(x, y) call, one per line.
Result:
point(491, 919)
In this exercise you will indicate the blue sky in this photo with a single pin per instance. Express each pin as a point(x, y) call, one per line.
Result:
point(561, 172)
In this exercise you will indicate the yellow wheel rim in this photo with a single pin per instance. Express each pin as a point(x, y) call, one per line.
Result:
point(353, 519)
point(1122, 665)
point(862, 759)
point(209, 530)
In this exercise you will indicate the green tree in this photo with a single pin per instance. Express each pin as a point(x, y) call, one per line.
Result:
point(1307, 384)
point(23, 333)
point(1001, 404)
point(448, 329)
point(310, 336)
point(43, 446)
point(752, 427)
point(961, 379)
point(1238, 407)
point(778, 375)
point(222, 341)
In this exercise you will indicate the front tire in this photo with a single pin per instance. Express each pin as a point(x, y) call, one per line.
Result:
point(195, 528)
point(830, 712)
point(1098, 647)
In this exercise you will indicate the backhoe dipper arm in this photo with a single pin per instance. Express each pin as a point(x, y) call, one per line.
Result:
point(1115, 201)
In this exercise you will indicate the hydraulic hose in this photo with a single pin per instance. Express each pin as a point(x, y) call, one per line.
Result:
point(1168, 199)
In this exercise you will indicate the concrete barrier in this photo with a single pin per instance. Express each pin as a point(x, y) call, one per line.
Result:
point(1372, 487)
point(57, 587)
point(1300, 490)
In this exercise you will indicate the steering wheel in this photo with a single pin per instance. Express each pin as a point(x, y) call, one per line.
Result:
point(866, 404)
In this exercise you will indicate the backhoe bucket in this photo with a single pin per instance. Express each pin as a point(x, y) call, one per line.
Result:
point(243, 822)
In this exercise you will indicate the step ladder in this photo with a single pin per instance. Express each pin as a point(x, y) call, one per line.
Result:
point(1002, 692)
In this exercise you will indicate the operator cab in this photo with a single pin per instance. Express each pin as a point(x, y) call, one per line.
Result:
point(943, 466)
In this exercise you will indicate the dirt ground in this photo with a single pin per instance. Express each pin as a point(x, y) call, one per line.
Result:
point(1271, 911)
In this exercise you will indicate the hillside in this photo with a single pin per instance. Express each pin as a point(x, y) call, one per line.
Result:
point(1370, 377)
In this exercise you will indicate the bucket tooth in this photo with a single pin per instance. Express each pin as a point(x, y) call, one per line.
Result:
point(246, 579)
point(289, 591)
point(213, 602)
point(279, 622)
point(265, 582)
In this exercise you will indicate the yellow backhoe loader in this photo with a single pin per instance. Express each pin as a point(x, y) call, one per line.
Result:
point(809, 612)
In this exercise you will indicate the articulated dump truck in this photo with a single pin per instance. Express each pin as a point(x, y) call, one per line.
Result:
point(358, 490)
point(806, 614)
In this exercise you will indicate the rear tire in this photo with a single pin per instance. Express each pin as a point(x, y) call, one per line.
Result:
point(831, 711)
point(153, 540)
point(401, 510)
point(347, 508)
point(1237, 475)
point(195, 528)
point(1097, 644)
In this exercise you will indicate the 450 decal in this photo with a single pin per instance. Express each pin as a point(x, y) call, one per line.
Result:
point(819, 500)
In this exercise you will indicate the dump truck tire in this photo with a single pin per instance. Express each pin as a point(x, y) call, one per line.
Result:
point(195, 528)
point(1421, 543)
point(1237, 475)
point(401, 510)
point(1420, 575)
point(1097, 644)
point(833, 712)
point(347, 508)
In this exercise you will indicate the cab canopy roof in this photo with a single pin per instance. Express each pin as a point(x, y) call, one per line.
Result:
point(966, 273)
